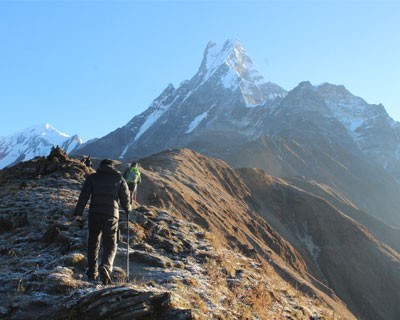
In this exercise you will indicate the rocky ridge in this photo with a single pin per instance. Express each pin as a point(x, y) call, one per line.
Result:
point(179, 270)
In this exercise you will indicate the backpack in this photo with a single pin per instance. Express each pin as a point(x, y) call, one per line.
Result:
point(132, 175)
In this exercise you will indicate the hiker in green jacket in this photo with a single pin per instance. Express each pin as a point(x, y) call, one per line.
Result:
point(133, 177)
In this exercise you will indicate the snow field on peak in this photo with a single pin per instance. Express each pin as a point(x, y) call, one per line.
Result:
point(352, 113)
point(230, 80)
point(232, 55)
point(244, 67)
point(216, 56)
point(149, 121)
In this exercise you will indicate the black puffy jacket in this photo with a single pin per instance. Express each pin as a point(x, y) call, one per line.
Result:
point(104, 188)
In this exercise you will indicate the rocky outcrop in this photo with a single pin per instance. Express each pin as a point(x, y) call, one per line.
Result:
point(124, 302)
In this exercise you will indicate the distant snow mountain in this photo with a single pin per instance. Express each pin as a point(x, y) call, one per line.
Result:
point(372, 129)
point(32, 142)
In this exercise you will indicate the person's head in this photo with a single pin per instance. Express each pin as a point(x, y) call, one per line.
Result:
point(134, 164)
point(107, 162)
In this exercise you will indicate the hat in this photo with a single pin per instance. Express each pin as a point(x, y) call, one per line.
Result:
point(107, 162)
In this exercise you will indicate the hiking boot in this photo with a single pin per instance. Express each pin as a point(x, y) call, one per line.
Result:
point(92, 276)
point(104, 275)
point(94, 281)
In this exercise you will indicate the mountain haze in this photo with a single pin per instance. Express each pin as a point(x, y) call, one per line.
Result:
point(228, 111)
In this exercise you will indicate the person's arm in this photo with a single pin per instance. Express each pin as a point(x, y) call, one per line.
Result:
point(124, 196)
point(83, 197)
point(125, 173)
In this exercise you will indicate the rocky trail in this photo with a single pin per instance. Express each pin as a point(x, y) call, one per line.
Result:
point(178, 270)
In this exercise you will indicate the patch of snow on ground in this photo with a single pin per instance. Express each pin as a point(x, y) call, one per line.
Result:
point(193, 125)
point(150, 120)
point(312, 248)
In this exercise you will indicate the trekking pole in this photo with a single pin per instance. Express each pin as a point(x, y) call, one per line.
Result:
point(127, 247)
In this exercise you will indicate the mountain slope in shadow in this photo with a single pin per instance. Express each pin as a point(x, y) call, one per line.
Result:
point(308, 239)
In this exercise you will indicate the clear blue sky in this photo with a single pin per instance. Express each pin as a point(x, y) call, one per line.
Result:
point(88, 67)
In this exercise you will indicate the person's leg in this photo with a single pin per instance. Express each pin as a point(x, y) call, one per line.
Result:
point(132, 190)
point(109, 243)
point(93, 246)
point(134, 193)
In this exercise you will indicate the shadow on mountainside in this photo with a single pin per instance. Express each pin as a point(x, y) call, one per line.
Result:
point(300, 234)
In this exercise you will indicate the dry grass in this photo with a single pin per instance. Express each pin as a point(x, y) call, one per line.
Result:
point(76, 260)
point(215, 240)
point(188, 298)
point(61, 280)
point(254, 291)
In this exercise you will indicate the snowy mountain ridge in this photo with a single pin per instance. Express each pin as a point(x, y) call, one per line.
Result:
point(224, 68)
point(232, 54)
point(32, 142)
point(350, 110)
point(229, 95)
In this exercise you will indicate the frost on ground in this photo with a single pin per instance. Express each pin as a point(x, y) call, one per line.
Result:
point(177, 269)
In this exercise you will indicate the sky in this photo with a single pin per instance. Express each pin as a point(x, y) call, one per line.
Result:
point(89, 67)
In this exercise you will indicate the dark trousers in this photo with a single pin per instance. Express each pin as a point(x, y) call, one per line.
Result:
point(133, 189)
point(101, 229)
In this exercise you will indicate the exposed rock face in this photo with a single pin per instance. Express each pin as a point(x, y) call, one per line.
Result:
point(124, 302)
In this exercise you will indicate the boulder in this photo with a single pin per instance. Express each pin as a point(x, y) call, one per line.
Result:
point(123, 302)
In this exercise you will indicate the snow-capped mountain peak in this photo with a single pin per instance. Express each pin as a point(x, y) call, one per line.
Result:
point(230, 54)
point(352, 111)
point(229, 66)
point(46, 131)
point(34, 141)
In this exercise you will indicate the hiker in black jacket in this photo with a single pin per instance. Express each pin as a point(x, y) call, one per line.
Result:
point(104, 188)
